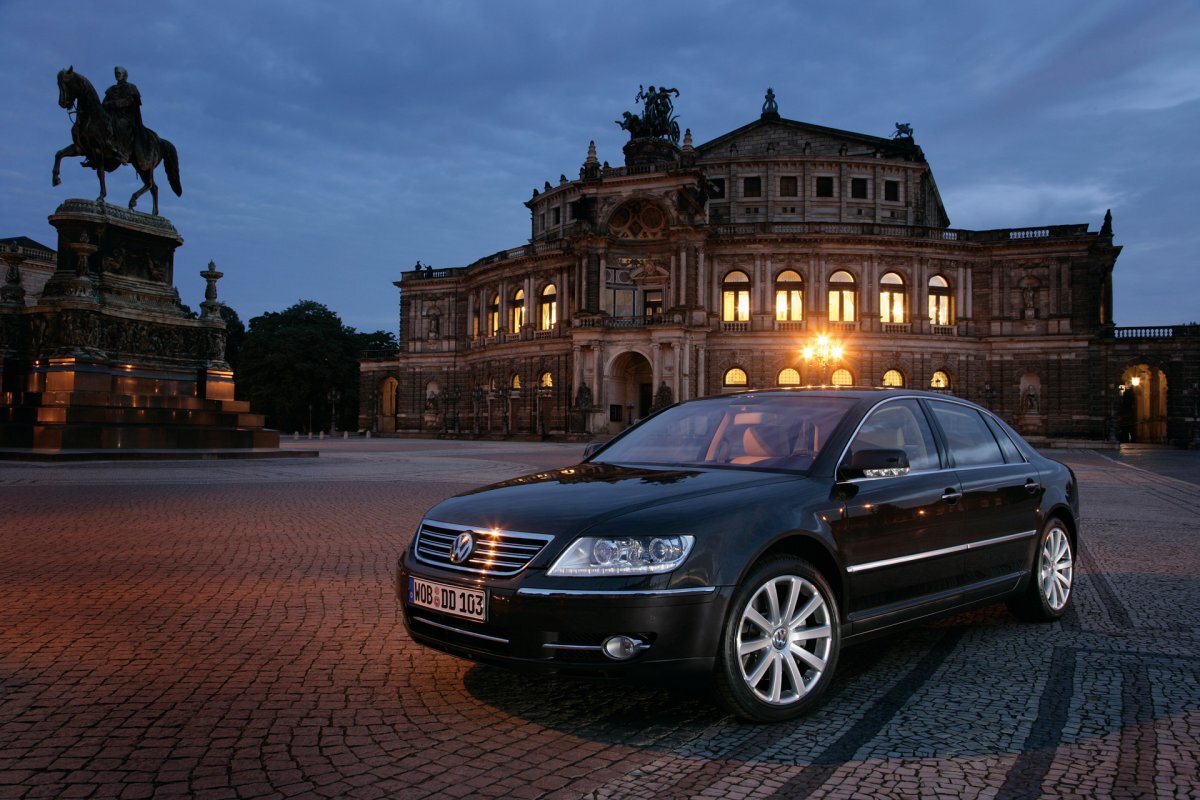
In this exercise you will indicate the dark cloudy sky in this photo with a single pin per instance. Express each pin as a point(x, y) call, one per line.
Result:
point(325, 147)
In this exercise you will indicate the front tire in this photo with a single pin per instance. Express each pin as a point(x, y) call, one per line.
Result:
point(1048, 592)
point(781, 641)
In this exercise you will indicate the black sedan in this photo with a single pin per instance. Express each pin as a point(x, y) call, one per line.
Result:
point(748, 536)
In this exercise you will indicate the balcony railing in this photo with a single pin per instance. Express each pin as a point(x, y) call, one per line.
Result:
point(1157, 332)
point(789, 325)
point(944, 330)
point(896, 327)
point(735, 327)
point(725, 228)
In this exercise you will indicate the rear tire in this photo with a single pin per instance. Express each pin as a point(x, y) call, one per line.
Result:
point(1048, 593)
point(780, 643)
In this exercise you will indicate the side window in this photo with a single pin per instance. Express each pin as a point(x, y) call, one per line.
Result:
point(899, 425)
point(1011, 454)
point(968, 436)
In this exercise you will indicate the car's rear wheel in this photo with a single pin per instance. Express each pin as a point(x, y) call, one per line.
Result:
point(1048, 592)
point(781, 641)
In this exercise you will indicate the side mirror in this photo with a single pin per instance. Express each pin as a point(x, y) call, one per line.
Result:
point(591, 449)
point(876, 464)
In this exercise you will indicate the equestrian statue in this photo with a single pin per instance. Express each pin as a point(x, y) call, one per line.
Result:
point(109, 133)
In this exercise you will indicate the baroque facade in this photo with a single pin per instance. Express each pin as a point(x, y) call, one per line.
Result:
point(782, 253)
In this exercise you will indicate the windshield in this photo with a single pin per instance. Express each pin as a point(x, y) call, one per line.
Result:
point(777, 431)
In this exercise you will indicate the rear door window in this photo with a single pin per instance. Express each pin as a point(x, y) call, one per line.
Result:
point(970, 440)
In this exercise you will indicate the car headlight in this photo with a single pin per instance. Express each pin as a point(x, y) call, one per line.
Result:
point(622, 555)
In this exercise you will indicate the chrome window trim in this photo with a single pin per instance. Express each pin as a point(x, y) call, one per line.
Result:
point(545, 538)
point(616, 592)
point(461, 631)
point(960, 548)
point(858, 427)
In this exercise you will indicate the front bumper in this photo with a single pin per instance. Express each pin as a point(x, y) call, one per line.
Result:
point(561, 628)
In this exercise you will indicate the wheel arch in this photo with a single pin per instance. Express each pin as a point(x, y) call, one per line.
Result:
point(811, 549)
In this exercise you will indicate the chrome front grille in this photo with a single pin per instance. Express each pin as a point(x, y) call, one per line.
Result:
point(495, 552)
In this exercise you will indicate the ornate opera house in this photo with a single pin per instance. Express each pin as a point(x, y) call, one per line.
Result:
point(781, 253)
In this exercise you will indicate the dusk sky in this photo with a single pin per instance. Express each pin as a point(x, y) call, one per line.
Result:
point(326, 147)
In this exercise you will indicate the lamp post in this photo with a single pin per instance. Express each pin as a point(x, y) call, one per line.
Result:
point(824, 352)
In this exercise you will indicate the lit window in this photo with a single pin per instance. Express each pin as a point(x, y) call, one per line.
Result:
point(789, 296)
point(492, 384)
point(735, 377)
point(516, 311)
point(940, 380)
point(515, 382)
point(548, 308)
point(842, 377)
point(735, 297)
point(941, 301)
point(546, 381)
point(843, 297)
point(653, 304)
point(493, 316)
point(789, 377)
point(894, 378)
point(892, 305)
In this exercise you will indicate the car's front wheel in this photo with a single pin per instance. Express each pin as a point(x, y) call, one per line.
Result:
point(1048, 592)
point(780, 643)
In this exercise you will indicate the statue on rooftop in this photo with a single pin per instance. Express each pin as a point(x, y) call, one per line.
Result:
point(903, 131)
point(769, 107)
point(110, 133)
point(657, 119)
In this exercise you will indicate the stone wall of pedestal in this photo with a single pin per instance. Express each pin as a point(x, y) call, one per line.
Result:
point(108, 357)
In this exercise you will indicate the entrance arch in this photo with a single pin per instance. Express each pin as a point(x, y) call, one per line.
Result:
point(629, 387)
point(1144, 404)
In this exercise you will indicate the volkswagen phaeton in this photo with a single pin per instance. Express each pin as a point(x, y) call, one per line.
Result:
point(749, 537)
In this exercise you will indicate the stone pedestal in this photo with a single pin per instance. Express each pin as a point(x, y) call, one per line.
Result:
point(108, 358)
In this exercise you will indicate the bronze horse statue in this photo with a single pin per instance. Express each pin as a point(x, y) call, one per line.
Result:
point(92, 138)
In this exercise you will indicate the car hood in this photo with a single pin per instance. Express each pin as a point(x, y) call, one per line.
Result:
point(569, 500)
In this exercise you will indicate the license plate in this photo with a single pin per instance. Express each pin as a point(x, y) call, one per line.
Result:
point(455, 600)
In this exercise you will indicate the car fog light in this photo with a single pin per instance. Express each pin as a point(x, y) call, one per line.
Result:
point(622, 648)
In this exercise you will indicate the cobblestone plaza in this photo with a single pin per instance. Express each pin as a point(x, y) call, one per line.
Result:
point(230, 630)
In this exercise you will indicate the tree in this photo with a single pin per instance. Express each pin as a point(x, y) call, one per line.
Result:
point(235, 335)
point(299, 367)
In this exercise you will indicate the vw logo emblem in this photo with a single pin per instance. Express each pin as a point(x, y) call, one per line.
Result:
point(464, 545)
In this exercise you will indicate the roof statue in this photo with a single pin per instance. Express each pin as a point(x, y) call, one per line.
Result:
point(110, 133)
point(657, 119)
point(769, 107)
point(903, 131)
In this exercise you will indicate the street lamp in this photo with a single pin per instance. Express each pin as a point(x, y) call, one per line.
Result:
point(824, 352)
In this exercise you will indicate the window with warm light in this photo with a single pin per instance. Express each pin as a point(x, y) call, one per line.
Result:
point(546, 381)
point(843, 297)
point(736, 377)
point(842, 377)
point(789, 296)
point(941, 301)
point(548, 308)
point(493, 316)
point(515, 382)
point(516, 311)
point(892, 299)
point(893, 378)
point(789, 377)
point(940, 380)
point(735, 295)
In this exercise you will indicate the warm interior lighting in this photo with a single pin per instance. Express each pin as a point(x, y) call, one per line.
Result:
point(1136, 381)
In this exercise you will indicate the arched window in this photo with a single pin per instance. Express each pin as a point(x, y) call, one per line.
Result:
point(492, 384)
point(735, 291)
point(940, 380)
point(941, 301)
point(493, 316)
point(548, 308)
point(843, 297)
point(516, 311)
point(788, 377)
point(842, 377)
point(736, 377)
point(515, 382)
point(789, 297)
point(894, 378)
point(546, 381)
point(893, 301)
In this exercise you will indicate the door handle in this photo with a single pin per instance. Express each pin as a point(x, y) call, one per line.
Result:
point(1032, 486)
point(951, 496)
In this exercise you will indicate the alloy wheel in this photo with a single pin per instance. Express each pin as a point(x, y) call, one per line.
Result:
point(784, 640)
point(1057, 568)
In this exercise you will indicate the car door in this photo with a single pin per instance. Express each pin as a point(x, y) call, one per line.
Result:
point(897, 534)
point(1001, 497)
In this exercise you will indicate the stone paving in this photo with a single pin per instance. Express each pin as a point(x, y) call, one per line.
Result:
point(230, 630)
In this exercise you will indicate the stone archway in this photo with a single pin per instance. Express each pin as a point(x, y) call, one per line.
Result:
point(389, 388)
point(629, 389)
point(1143, 415)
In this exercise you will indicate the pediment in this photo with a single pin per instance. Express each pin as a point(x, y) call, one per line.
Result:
point(784, 137)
